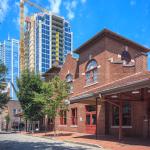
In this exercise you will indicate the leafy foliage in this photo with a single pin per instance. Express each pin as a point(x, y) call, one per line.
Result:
point(52, 97)
point(4, 98)
point(7, 118)
point(3, 72)
point(28, 84)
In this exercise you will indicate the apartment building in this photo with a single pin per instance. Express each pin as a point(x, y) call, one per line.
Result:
point(48, 39)
point(9, 55)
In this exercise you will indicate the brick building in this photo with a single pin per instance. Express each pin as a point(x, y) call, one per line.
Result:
point(12, 109)
point(109, 88)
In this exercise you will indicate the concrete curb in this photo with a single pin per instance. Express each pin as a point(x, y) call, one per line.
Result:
point(85, 144)
point(67, 141)
point(51, 138)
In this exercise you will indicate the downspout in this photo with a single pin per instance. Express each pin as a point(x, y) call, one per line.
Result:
point(96, 118)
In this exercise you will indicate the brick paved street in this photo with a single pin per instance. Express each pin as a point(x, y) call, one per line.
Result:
point(23, 142)
point(107, 142)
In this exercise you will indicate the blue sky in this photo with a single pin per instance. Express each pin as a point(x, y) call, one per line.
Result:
point(130, 18)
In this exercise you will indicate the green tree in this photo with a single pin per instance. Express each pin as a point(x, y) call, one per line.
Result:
point(52, 97)
point(4, 98)
point(28, 84)
point(7, 118)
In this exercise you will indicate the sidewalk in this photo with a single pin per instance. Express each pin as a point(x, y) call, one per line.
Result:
point(107, 142)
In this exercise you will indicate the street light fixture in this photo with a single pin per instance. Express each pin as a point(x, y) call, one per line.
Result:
point(67, 102)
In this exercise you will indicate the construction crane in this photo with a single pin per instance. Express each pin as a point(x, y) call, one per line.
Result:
point(22, 20)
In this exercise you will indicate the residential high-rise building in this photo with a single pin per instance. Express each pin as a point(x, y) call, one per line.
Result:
point(48, 39)
point(9, 55)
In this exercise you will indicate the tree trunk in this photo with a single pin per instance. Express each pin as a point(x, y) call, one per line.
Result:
point(54, 129)
point(26, 125)
point(32, 126)
point(6, 126)
point(45, 125)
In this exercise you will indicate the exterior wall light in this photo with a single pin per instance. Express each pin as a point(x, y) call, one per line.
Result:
point(135, 92)
point(67, 102)
point(114, 96)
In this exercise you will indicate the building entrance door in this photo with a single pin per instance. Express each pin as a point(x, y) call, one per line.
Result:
point(91, 119)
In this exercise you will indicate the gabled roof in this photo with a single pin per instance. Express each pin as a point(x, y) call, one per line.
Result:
point(113, 35)
point(54, 69)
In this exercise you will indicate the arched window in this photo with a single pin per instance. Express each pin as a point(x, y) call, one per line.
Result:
point(69, 80)
point(91, 72)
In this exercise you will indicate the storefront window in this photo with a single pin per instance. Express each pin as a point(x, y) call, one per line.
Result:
point(126, 115)
point(88, 119)
point(74, 116)
point(93, 119)
point(115, 117)
point(90, 115)
point(63, 117)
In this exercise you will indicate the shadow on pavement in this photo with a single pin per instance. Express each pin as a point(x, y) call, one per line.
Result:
point(7, 132)
point(125, 140)
point(14, 145)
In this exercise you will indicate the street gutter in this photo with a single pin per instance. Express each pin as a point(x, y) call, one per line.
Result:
point(67, 141)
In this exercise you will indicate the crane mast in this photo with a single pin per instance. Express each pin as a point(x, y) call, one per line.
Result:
point(22, 20)
point(22, 57)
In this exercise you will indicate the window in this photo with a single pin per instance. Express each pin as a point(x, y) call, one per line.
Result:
point(14, 112)
point(91, 72)
point(19, 110)
point(91, 115)
point(74, 116)
point(69, 80)
point(63, 117)
point(90, 108)
point(126, 115)
point(115, 117)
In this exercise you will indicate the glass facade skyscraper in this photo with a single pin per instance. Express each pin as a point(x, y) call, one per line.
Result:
point(42, 34)
point(9, 55)
point(68, 36)
point(50, 40)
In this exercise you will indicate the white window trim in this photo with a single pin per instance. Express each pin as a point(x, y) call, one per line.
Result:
point(91, 84)
point(74, 126)
point(124, 127)
point(63, 125)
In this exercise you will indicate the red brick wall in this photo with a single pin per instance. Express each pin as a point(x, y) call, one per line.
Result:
point(80, 119)
point(137, 118)
point(101, 119)
point(102, 50)
point(70, 66)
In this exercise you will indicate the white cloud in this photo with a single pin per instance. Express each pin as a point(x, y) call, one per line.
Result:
point(83, 1)
point(26, 11)
point(70, 7)
point(4, 8)
point(133, 2)
point(55, 5)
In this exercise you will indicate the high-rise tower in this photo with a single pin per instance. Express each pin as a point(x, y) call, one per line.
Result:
point(9, 55)
point(48, 39)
